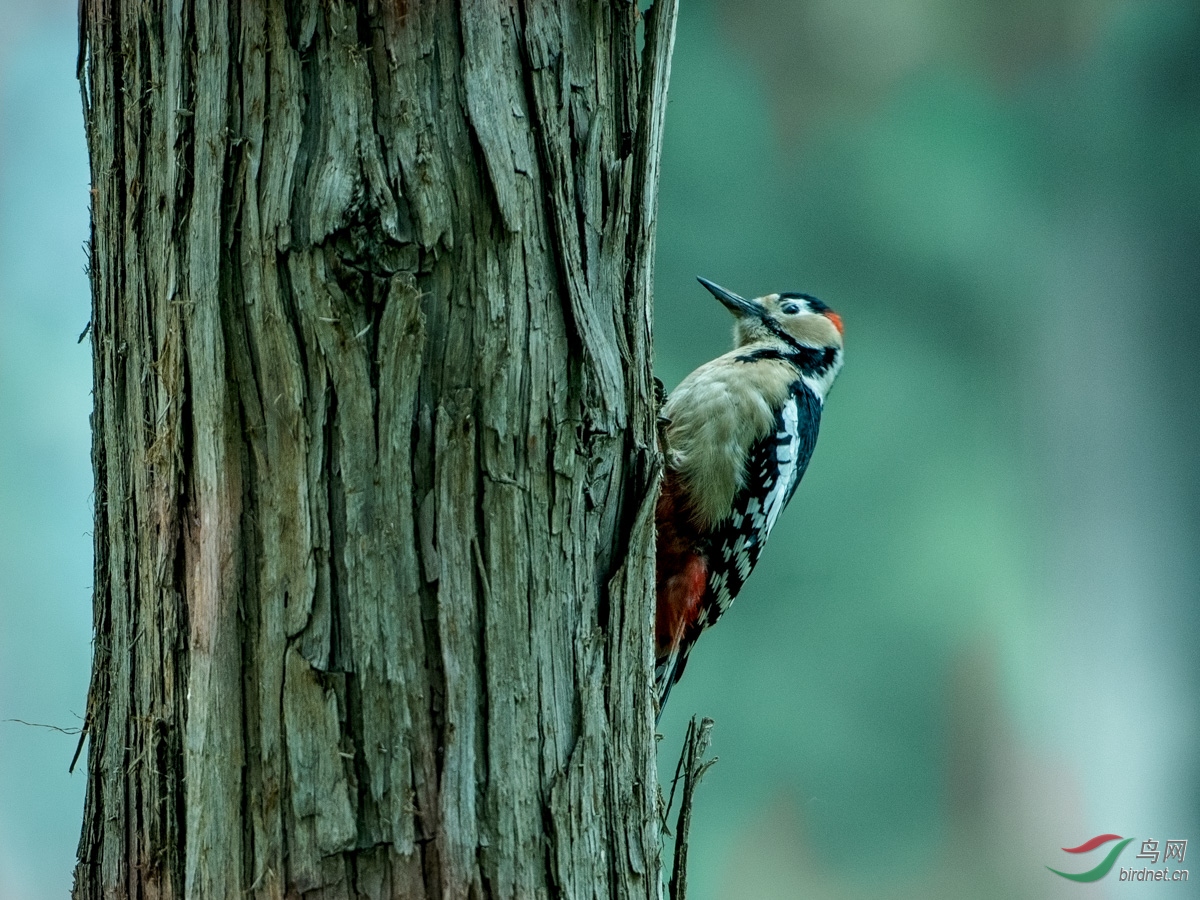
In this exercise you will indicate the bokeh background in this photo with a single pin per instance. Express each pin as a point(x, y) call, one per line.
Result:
point(973, 638)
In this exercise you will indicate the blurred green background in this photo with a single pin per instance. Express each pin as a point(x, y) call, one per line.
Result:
point(972, 639)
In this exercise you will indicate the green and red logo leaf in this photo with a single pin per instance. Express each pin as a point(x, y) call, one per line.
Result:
point(1105, 865)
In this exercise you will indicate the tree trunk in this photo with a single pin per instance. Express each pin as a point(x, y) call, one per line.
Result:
point(373, 445)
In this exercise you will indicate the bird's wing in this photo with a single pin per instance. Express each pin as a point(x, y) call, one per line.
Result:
point(775, 466)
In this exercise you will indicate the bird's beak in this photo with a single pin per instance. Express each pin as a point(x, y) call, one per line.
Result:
point(739, 306)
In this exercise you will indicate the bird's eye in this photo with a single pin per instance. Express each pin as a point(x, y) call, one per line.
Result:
point(790, 309)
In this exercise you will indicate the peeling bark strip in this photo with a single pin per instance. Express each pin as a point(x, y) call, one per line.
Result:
point(373, 448)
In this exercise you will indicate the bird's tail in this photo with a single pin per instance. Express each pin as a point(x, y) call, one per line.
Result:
point(668, 671)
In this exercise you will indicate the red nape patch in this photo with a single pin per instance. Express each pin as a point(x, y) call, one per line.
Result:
point(836, 320)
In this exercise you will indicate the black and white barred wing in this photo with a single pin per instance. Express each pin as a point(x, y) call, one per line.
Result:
point(776, 465)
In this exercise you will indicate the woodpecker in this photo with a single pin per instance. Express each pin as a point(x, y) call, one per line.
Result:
point(737, 435)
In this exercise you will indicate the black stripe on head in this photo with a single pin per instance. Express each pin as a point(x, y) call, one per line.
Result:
point(813, 303)
point(815, 361)
point(799, 353)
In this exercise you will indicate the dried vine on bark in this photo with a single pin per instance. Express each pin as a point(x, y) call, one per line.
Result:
point(373, 437)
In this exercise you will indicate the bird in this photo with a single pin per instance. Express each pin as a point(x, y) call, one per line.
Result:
point(736, 437)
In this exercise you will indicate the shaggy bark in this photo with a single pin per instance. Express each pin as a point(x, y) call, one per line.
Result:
point(373, 445)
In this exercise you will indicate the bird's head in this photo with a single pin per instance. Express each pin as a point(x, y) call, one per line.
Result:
point(795, 328)
point(781, 319)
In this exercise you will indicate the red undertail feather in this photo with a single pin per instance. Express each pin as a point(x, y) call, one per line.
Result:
point(682, 579)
